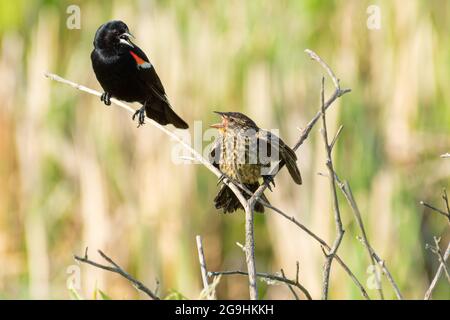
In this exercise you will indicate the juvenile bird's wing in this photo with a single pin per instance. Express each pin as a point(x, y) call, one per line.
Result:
point(214, 155)
point(276, 147)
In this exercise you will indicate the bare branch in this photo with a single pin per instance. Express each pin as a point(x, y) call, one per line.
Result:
point(327, 68)
point(348, 194)
point(289, 286)
point(336, 136)
point(266, 276)
point(445, 214)
point(384, 268)
point(250, 250)
point(203, 269)
point(438, 274)
point(117, 269)
point(437, 251)
point(445, 198)
point(337, 215)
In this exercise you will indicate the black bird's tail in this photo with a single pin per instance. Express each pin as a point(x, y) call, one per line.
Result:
point(228, 201)
point(162, 113)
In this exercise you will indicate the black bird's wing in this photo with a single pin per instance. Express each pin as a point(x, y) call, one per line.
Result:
point(148, 74)
point(160, 108)
point(276, 146)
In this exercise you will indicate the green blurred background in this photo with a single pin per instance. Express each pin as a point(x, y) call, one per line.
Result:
point(77, 174)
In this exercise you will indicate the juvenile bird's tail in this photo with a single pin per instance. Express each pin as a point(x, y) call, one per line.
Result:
point(228, 201)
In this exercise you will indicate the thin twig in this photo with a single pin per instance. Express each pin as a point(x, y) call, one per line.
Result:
point(117, 269)
point(384, 268)
point(266, 276)
point(203, 269)
point(330, 72)
point(290, 286)
point(348, 194)
point(337, 215)
point(445, 214)
point(437, 251)
point(441, 258)
point(336, 136)
point(445, 198)
point(438, 274)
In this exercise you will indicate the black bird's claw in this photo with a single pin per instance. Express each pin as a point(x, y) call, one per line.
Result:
point(140, 113)
point(269, 180)
point(106, 98)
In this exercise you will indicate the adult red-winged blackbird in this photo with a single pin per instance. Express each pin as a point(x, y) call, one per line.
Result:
point(125, 72)
point(242, 152)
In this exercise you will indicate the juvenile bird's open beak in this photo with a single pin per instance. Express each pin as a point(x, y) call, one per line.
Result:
point(222, 124)
point(217, 126)
point(125, 39)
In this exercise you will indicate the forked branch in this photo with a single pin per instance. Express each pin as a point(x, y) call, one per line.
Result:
point(115, 268)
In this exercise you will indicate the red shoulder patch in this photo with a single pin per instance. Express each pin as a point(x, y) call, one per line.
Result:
point(138, 59)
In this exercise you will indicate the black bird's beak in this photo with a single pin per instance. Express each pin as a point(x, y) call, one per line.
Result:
point(125, 39)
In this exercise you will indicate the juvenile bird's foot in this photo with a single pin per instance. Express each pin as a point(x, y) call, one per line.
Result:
point(269, 180)
point(221, 178)
point(140, 114)
point(106, 98)
point(227, 177)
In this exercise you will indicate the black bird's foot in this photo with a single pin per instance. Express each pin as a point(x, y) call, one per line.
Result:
point(140, 114)
point(269, 180)
point(106, 98)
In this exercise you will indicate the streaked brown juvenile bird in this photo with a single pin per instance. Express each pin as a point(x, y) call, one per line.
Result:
point(244, 153)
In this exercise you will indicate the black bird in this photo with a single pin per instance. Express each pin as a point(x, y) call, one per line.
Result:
point(241, 153)
point(125, 73)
